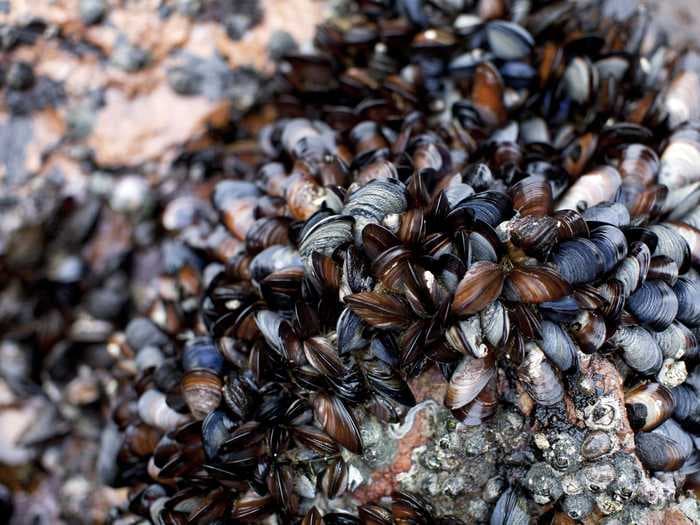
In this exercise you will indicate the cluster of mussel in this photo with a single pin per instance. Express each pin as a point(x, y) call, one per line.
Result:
point(499, 194)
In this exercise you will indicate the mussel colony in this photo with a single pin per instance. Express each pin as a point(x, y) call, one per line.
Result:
point(455, 279)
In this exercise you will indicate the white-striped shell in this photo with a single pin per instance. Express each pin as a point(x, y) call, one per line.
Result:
point(155, 411)
point(599, 185)
point(683, 98)
point(680, 163)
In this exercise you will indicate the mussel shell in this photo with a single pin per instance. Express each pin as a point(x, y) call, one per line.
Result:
point(326, 235)
point(374, 201)
point(580, 79)
point(535, 235)
point(201, 354)
point(611, 242)
point(539, 377)
point(589, 330)
point(664, 449)
point(671, 244)
point(558, 346)
point(491, 207)
point(597, 186)
point(664, 269)
point(687, 291)
point(687, 403)
point(274, 259)
point(468, 380)
point(338, 422)
point(612, 213)
point(481, 409)
point(265, 232)
point(465, 337)
point(508, 41)
point(678, 342)
point(154, 410)
point(633, 269)
point(216, 428)
point(654, 304)
point(334, 480)
point(202, 392)
point(510, 509)
point(349, 330)
point(495, 324)
point(639, 349)
point(532, 196)
point(648, 405)
point(579, 261)
point(372, 514)
point(679, 161)
point(535, 284)
point(479, 287)
point(570, 224)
